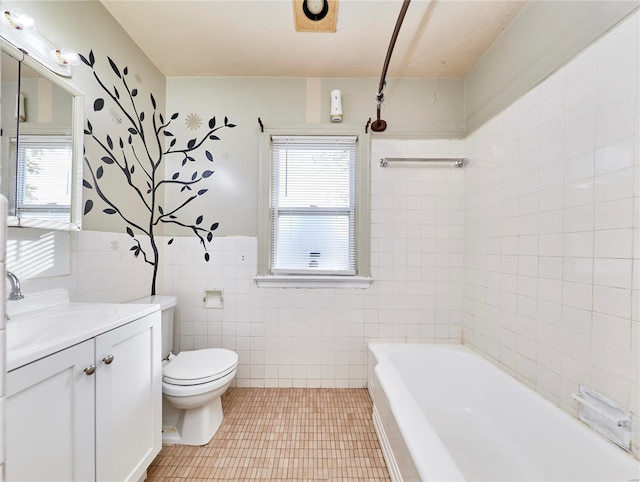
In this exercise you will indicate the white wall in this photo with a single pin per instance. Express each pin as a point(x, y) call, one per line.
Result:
point(318, 337)
point(538, 42)
point(411, 109)
point(552, 218)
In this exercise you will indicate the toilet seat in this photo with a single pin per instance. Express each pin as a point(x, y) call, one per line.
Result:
point(199, 366)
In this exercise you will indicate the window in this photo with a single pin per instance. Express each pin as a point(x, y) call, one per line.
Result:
point(43, 177)
point(315, 230)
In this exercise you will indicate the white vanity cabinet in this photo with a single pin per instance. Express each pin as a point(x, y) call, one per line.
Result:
point(49, 418)
point(88, 412)
point(128, 400)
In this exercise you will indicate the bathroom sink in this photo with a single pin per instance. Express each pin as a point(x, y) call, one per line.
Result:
point(49, 322)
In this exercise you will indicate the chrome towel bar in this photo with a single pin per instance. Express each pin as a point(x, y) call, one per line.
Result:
point(456, 161)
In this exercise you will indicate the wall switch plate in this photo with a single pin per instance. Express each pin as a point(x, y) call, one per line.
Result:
point(213, 299)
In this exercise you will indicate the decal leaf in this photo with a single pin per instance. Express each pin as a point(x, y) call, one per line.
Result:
point(212, 123)
point(209, 155)
point(99, 172)
point(214, 226)
point(114, 67)
point(107, 160)
point(87, 184)
point(88, 206)
point(84, 60)
point(109, 141)
point(109, 211)
point(206, 257)
point(175, 175)
point(207, 173)
point(202, 191)
point(98, 104)
point(153, 104)
point(191, 143)
point(130, 231)
point(199, 219)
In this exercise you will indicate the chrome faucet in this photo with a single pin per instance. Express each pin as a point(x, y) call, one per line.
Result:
point(14, 284)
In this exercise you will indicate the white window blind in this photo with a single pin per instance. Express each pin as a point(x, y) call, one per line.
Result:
point(313, 211)
point(44, 176)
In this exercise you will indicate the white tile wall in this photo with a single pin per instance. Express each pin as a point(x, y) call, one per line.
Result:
point(551, 219)
point(317, 337)
point(102, 270)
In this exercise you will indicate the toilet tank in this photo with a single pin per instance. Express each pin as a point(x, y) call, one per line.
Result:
point(167, 305)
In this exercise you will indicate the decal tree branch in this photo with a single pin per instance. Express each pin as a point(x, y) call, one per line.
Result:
point(146, 150)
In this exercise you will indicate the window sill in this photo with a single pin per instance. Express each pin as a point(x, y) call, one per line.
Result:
point(293, 281)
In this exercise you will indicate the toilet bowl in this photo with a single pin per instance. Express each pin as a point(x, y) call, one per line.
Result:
point(192, 384)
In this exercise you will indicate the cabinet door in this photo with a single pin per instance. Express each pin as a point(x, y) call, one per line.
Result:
point(50, 418)
point(128, 399)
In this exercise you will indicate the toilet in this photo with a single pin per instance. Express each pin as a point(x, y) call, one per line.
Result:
point(192, 384)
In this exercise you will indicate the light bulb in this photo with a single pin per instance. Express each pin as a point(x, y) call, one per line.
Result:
point(19, 20)
point(315, 6)
point(65, 57)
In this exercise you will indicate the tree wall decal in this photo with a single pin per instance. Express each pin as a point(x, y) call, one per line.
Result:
point(139, 159)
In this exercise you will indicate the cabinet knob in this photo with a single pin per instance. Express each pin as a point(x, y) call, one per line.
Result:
point(108, 359)
point(90, 370)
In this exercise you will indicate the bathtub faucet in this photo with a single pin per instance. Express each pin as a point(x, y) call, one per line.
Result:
point(14, 283)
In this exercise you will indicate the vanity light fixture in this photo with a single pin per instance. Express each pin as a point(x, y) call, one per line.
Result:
point(18, 29)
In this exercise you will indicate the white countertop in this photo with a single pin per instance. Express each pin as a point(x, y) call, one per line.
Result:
point(45, 323)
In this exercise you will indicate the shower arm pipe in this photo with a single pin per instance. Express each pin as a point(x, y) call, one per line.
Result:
point(379, 125)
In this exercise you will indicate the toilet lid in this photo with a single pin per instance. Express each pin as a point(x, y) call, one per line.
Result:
point(199, 366)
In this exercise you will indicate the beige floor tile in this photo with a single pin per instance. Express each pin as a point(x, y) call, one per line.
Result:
point(283, 434)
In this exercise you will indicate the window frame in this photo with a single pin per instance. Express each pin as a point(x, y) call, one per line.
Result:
point(362, 277)
point(25, 210)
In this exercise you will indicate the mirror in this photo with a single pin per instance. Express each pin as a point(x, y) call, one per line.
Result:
point(41, 142)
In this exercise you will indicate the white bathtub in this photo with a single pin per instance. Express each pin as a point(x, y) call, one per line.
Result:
point(443, 412)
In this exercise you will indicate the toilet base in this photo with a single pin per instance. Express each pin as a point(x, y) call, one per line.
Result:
point(194, 426)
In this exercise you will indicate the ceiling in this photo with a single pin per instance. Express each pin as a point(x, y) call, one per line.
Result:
point(438, 39)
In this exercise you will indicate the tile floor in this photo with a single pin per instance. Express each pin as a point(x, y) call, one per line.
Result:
point(283, 434)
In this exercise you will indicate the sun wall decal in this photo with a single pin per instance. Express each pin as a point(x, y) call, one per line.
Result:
point(193, 121)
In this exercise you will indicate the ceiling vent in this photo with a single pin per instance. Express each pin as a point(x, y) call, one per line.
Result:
point(315, 15)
